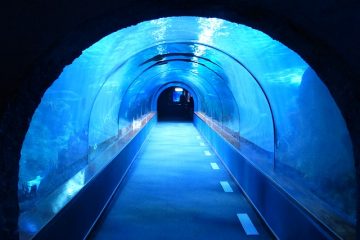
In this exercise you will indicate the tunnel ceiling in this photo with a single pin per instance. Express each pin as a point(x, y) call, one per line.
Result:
point(251, 85)
point(197, 48)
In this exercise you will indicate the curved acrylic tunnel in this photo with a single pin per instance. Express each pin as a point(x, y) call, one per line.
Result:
point(267, 100)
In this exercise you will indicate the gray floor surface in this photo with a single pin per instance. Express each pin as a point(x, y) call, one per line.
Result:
point(172, 192)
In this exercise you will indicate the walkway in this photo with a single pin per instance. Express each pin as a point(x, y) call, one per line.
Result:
point(178, 189)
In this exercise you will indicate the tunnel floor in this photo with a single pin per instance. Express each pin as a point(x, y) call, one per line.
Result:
point(178, 189)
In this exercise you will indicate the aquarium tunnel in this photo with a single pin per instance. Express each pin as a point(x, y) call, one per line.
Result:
point(252, 103)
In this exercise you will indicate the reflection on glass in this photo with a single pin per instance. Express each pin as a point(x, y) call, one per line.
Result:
point(249, 87)
point(71, 187)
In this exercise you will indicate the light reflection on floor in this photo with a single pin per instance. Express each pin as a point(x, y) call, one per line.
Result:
point(172, 192)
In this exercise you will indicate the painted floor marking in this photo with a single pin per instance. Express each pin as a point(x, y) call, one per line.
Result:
point(202, 144)
point(247, 224)
point(214, 166)
point(226, 186)
point(207, 153)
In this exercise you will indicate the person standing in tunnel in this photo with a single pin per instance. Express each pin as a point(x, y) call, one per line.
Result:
point(191, 104)
point(183, 99)
point(183, 104)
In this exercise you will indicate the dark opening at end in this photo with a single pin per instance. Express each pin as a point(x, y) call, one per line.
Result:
point(175, 104)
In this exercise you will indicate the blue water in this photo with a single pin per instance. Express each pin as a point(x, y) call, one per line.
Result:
point(252, 86)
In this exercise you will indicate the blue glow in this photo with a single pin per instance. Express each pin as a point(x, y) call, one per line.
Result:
point(177, 89)
point(176, 96)
point(250, 85)
point(247, 224)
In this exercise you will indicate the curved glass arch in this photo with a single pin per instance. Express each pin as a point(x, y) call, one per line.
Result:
point(221, 99)
point(194, 93)
point(245, 81)
point(168, 77)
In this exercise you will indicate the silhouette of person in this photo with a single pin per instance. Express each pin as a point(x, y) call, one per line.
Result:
point(191, 104)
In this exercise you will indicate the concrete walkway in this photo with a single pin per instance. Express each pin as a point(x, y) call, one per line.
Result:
point(178, 189)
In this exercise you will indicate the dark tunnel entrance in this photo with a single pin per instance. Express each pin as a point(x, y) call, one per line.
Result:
point(175, 104)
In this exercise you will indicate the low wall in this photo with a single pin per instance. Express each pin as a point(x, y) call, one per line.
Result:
point(285, 217)
point(78, 217)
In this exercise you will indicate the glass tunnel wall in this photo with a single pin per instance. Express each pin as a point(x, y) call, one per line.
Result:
point(252, 87)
